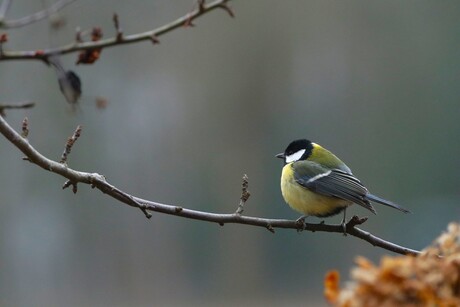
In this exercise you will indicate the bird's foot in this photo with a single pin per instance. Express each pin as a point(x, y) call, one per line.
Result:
point(344, 222)
point(301, 223)
point(344, 227)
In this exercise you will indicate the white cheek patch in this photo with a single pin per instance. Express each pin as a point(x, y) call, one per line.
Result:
point(295, 156)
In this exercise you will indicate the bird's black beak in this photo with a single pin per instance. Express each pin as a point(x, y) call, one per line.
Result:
point(280, 155)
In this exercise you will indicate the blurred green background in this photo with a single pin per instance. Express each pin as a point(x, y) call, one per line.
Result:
point(377, 82)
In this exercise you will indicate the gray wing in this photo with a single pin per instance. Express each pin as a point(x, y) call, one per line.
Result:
point(335, 183)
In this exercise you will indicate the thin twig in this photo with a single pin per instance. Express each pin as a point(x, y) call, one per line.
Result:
point(20, 105)
point(99, 182)
point(142, 207)
point(69, 144)
point(244, 195)
point(25, 127)
point(226, 8)
point(151, 35)
point(69, 183)
point(116, 23)
point(37, 16)
point(5, 6)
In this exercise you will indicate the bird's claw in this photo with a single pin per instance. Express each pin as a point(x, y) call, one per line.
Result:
point(344, 222)
point(344, 228)
point(301, 223)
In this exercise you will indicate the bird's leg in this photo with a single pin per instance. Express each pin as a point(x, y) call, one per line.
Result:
point(301, 222)
point(344, 222)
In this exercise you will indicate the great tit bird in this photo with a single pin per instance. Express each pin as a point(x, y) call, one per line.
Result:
point(315, 182)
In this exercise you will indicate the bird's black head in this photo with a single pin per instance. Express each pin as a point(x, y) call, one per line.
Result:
point(296, 150)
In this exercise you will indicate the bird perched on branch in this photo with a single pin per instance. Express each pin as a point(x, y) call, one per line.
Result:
point(315, 182)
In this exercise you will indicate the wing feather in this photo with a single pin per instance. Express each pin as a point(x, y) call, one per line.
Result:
point(334, 183)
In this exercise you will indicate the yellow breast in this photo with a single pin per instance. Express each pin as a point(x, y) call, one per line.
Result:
point(305, 201)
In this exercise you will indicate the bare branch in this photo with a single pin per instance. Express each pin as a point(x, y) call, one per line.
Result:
point(99, 182)
point(151, 35)
point(10, 106)
point(5, 6)
point(27, 20)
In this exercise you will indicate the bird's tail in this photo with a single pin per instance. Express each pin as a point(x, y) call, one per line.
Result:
point(385, 202)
